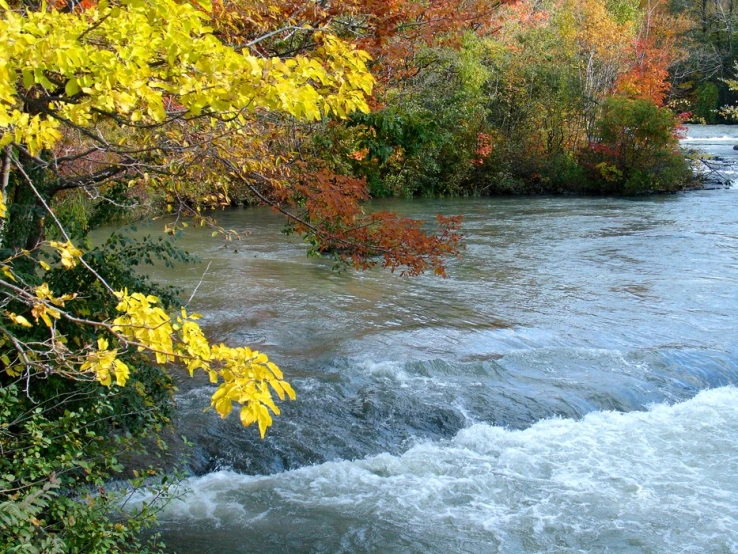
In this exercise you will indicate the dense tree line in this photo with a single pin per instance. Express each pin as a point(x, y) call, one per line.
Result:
point(531, 107)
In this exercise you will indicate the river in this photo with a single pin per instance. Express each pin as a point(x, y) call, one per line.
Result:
point(569, 388)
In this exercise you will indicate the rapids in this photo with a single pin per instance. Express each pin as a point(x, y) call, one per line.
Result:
point(569, 387)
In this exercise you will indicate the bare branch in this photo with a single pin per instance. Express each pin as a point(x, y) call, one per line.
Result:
point(58, 223)
point(194, 292)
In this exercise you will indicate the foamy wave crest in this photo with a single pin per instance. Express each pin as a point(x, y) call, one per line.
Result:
point(723, 138)
point(663, 480)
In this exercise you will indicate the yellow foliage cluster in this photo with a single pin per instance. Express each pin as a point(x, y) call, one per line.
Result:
point(68, 252)
point(594, 31)
point(246, 376)
point(137, 60)
point(124, 77)
point(105, 364)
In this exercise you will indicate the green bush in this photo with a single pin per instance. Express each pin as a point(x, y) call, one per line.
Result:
point(636, 150)
point(64, 441)
point(59, 454)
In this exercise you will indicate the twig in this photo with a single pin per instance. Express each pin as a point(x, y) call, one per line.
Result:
point(292, 28)
point(194, 292)
point(59, 225)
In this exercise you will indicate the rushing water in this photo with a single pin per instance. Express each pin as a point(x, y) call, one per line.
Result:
point(569, 387)
point(720, 166)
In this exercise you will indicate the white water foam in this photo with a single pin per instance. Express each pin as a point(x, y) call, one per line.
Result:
point(722, 138)
point(657, 481)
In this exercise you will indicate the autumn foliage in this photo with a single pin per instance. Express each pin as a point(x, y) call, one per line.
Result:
point(548, 73)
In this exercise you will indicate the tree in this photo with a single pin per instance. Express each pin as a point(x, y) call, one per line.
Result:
point(637, 149)
point(411, 43)
point(112, 99)
point(731, 112)
point(124, 87)
point(552, 67)
point(706, 32)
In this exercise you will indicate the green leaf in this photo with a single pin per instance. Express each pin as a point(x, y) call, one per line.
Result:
point(72, 86)
point(28, 80)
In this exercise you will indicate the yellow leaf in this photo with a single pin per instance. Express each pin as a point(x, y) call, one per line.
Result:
point(121, 373)
point(69, 253)
point(9, 273)
point(247, 416)
point(206, 5)
point(43, 312)
point(275, 370)
point(42, 291)
point(223, 406)
point(277, 388)
point(265, 420)
point(18, 319)
point(288, 389)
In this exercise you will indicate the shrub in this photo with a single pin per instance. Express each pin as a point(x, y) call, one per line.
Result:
point(636, 150)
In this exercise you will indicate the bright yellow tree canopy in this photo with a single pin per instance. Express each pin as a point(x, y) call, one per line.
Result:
point(142, 60)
